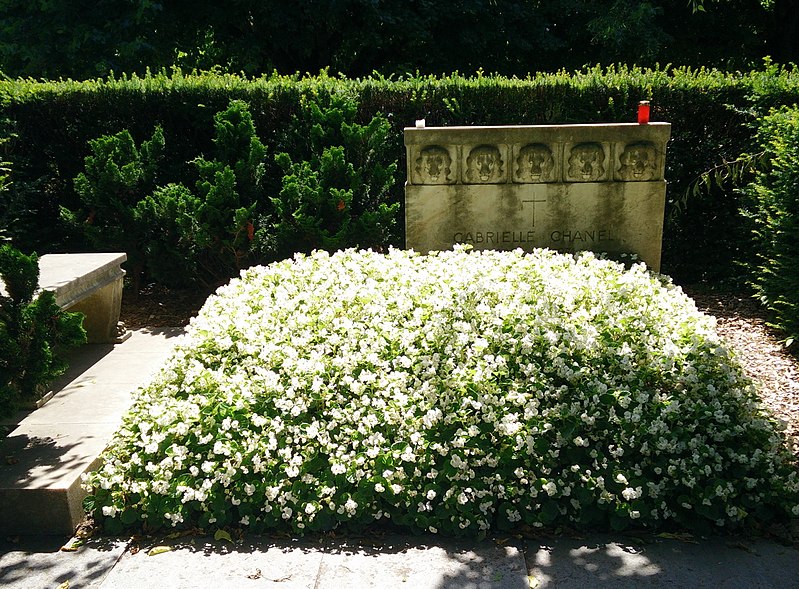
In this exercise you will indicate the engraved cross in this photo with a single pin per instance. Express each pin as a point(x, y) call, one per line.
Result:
point(533, 201)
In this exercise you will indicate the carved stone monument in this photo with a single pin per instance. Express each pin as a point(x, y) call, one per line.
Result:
point(565, 187)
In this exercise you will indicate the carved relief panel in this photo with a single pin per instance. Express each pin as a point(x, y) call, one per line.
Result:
point(485, 165)
point(535, 163)
point(587, 162)
point(638, 162)
point(434, 165)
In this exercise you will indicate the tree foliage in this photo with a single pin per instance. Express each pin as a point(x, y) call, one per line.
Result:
point(356, 37)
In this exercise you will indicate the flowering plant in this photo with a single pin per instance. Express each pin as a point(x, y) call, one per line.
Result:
point(455, 392)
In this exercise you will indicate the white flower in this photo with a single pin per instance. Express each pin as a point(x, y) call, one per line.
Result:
point(364, 361)
point(629, 493)
point(457, 462)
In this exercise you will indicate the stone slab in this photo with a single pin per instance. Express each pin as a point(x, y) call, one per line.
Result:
point(88, 283)
point(516, 134)
point(52, 447)
point(602, 217)
point(393, 563)
point(418, 562)
point(73, 276)
point(618, 563)
point(34, 562)
point(597, 187)
point(208, 563)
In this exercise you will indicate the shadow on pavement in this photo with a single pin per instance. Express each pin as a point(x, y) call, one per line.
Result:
point(654, 562)
point(29, 562)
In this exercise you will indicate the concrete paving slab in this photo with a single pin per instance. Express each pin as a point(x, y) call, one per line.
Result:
point(424, 563)
point(37, 457)
point(203, 562)
point(393, 563)
point(146, 338)
point(53, 446)
point(621, 563)
point(136, 360)
point(34, 563)
point(86, 400)
point(80, 360)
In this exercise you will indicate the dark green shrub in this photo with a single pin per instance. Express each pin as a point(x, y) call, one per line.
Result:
point(206, 237)
point(710, 111)
point(336, 183)
point(332, 183)
point(165, 217)
point(772, 207)
point(117, 176)
point(33, 331)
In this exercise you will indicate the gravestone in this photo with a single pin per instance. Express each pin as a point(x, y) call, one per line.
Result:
point(596, 187)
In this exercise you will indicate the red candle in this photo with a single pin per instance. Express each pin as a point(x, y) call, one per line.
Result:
point(643, 112)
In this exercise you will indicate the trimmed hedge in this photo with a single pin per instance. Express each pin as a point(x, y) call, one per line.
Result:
point(52, 123)
point(772, 205)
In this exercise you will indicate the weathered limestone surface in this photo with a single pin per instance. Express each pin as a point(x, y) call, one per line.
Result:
point(565, 187)
point(51, 447)
point(87, 283)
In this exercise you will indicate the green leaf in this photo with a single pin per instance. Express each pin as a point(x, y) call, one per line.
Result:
point(549, 512)
point(222, 535)
point(129, 516)
point(113, 525)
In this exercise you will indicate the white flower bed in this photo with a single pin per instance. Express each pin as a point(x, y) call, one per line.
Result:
point(453, 393)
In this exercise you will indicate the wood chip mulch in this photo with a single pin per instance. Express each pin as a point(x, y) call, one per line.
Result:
point(157, 306)
point(741, 321)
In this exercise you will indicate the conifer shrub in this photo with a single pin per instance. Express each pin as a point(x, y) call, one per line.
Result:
point(329, 189)
point(335, 181)
point(710, 112)
point(771, 205)
point(205, 236)
point(117, 174)
point(34, 331)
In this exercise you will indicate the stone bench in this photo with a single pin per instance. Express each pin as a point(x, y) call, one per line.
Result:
point(90, 284)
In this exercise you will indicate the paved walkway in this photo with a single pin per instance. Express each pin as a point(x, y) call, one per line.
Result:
point(399, 562)
point(107, 376)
